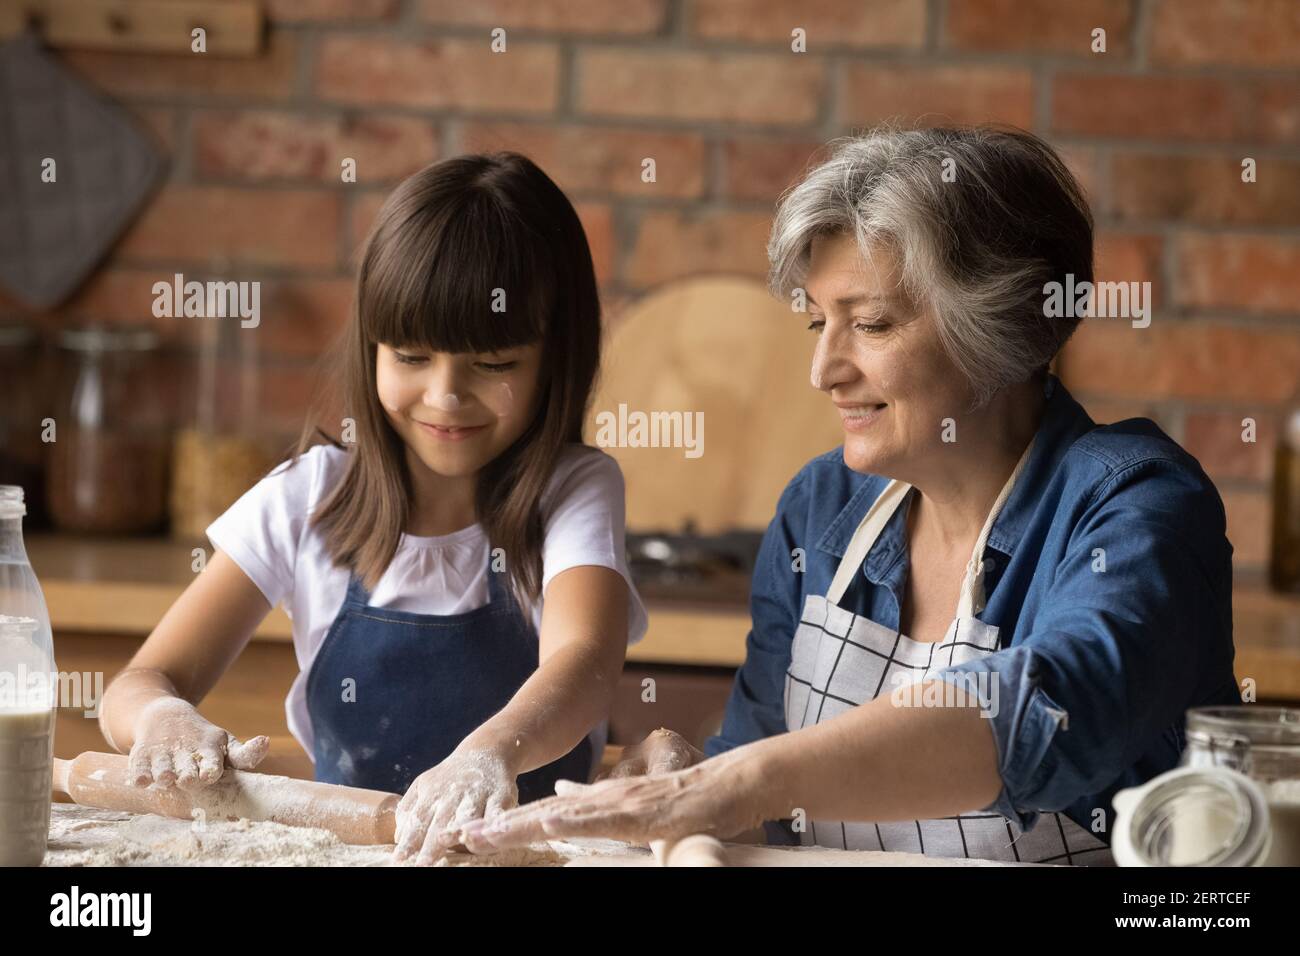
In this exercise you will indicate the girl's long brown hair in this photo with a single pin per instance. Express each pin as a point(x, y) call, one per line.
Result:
point(445, 239)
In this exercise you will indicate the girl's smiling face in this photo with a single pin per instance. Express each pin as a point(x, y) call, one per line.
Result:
point(458, 411)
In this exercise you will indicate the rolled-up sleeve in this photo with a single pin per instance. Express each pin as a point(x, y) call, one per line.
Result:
point(756, 707)
point(1135, 621)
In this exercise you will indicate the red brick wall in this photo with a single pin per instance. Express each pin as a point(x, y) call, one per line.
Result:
point(1156, 128)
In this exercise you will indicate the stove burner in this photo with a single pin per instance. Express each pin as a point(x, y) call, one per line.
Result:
point(664, 560)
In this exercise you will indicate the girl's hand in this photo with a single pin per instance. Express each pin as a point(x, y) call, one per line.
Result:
point(464, 787)
point(662, 751)
point(176, 746)
point(721, 797)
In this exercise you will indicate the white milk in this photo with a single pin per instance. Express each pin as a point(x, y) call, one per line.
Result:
point(26, 766)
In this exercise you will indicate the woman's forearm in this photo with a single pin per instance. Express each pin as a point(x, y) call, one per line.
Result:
point(555, 708)
point(881, 762)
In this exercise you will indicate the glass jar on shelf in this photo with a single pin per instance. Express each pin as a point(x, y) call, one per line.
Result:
point(224, 449)
point(22, 454)
point(1284, 560)
point(108, 462)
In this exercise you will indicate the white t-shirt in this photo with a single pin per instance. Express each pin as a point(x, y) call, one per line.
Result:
point(266, 533)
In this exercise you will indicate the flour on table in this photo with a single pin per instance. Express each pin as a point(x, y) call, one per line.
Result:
point(88, 836)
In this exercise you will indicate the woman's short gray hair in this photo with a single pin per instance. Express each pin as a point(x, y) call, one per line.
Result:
point(982, 219)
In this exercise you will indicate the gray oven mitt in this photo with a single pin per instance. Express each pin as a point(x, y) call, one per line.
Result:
point(53, 234)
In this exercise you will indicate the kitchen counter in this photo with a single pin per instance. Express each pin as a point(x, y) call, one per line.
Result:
point(124, 586)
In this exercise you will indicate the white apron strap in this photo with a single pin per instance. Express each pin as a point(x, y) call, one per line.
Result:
point(865, 536)
point(971, 601)
point(878, 515)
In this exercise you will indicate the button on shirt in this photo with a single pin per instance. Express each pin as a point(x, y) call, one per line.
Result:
point(1108, 573)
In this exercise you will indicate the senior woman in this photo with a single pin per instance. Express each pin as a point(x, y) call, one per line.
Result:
point(984, 613)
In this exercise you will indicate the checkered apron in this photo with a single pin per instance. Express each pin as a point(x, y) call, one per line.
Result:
point(840, 660)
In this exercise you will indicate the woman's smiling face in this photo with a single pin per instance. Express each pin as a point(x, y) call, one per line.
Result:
point(457, 411)
point(880, 360)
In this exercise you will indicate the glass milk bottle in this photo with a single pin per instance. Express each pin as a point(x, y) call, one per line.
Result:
point(28, 695)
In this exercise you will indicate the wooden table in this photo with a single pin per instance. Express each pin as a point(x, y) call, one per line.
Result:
point(146, 840)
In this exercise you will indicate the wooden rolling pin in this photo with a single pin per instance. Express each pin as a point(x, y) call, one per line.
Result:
point(698, 849)
point(355, 816)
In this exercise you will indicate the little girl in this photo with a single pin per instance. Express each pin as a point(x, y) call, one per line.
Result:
point(455, 567)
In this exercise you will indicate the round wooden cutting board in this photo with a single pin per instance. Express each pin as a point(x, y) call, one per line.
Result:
point(724, 348)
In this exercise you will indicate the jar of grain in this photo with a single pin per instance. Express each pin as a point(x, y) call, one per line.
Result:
point(108, 461)
point(1284, 556)
point(211, 469)
point(224, 447)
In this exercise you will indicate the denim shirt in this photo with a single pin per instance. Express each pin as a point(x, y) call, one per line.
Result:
point(1108, 573)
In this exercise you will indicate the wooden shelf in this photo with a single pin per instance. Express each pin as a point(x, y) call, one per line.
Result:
point(233, 28)
point(120, 585)
point(124, 586)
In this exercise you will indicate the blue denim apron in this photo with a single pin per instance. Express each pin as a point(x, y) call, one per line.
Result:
point(419, 685)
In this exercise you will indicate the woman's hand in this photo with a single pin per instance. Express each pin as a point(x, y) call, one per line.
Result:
point(723, 796)
point(662, 751)
point(465, 787)
point(177, 746)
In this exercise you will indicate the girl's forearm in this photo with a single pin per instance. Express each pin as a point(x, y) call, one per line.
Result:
point(879, 762)
point(555, 708)
point(126, 695)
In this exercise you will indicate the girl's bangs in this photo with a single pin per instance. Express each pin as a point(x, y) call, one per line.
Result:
point(488, 284)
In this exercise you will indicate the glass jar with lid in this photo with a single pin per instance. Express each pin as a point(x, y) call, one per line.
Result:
point(108, 463)
point(1234, 801)
point(1284, 555)
point(22, 412)
point(223, 447)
